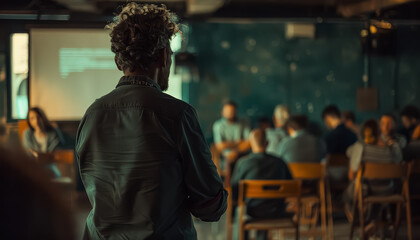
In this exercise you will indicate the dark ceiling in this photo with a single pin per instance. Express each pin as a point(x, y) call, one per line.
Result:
point(352, 9)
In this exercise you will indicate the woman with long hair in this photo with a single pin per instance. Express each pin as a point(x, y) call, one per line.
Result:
point(41, 137)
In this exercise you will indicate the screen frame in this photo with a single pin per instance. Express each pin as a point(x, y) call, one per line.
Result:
point(94, 26)
point(8, 61)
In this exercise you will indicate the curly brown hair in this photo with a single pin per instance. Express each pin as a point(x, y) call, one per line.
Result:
point(139, 32)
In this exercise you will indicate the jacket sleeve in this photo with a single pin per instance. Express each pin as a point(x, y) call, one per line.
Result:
point(207, 197)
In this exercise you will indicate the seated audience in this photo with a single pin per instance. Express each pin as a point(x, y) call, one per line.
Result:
point(389, 133)
point(278, 133)
point(231, 134)
point(340, 137)
point(41, 137)
point(349, 119)
point(410, 118)
point(260, 165)
point(371, 150)
point(30, 206)
point(300, 146)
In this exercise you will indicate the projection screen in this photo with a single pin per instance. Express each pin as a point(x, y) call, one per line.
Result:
point(70, 68)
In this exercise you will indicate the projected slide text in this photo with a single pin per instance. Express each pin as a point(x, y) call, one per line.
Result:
point(77, 60)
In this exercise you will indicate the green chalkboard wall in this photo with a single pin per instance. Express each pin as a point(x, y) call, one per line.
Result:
point(255, 65)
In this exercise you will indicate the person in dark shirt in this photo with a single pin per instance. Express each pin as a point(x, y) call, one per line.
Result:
point(340, 137)
point(410, 118)
point(142, 155)
point(260, 166)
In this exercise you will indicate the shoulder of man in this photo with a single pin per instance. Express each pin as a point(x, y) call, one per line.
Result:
point(241, 162)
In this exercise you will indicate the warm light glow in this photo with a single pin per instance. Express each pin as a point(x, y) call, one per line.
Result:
point(373, 29)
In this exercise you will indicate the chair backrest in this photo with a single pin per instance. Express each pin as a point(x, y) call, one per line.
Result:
point(64, 156)
point(415, 166)
point(307, 170)
point(268, 189)
point(383, 170)
point(22, 126)
point(337, 160)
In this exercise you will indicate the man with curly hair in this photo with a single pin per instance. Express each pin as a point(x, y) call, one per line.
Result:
point(143, 158)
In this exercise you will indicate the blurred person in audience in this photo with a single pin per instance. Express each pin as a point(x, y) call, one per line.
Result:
point(371, 150)
point(300, 146)
point(260, 165)
point(264, 123)
point(339, 138)
point(389, 133)
point(410, 118)
point(31, 207)
point(349, 119)
point(142, 155)
point(278, 133)
point(230, 134)
point(42, 137)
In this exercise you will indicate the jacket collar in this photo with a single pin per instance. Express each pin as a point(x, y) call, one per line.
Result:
point(138, 80)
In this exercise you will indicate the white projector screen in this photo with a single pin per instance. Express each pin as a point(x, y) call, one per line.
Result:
point(70, 68)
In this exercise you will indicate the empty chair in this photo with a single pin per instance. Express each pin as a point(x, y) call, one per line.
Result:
point(311, 172)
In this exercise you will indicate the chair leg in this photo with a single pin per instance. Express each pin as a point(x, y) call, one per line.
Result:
point(397, 221)
point(408, 213)
point(352, 223)
point(361, 221)
point(330, 214)
point(323, 213)
point(229, 213)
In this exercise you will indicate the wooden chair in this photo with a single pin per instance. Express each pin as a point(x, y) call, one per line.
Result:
point(22, 126)
point(414, 176)
point(312, 172)
point(339, 186)
point(267, 189)
point(65, 162)
point(382, 171)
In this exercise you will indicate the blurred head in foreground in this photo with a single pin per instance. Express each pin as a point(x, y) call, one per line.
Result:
point(31, 208)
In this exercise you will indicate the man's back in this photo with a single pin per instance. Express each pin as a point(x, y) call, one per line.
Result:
point(146, 166)
point(339, 139)
point(302, 148)
point(261, 166)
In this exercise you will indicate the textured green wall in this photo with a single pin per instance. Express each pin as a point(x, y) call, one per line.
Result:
point(255, 65)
